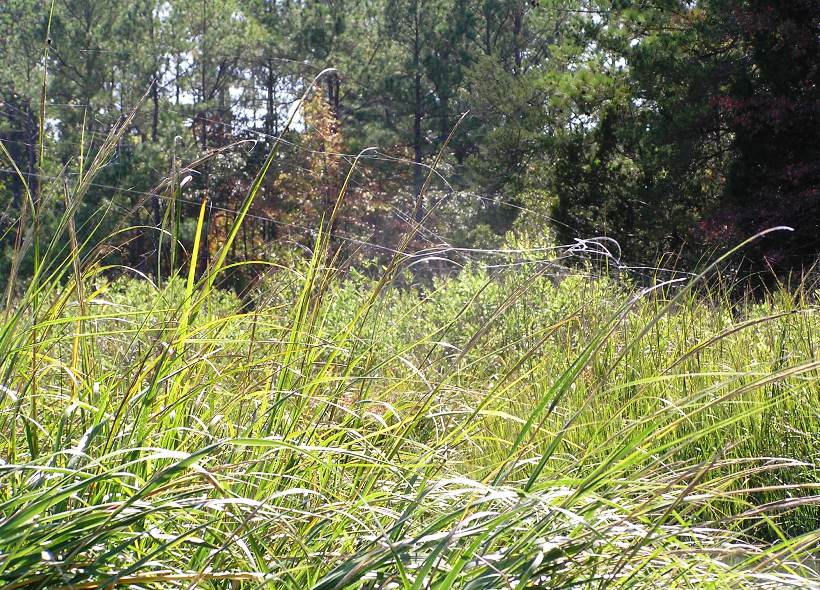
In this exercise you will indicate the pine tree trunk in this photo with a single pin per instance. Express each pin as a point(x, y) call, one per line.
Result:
point(518, 20)
point(270, 118)
point(155, 112)
point(417, 118)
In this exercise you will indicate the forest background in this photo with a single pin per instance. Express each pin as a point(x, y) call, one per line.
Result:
point(676, 128)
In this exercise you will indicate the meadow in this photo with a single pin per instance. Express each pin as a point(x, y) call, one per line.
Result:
point(521, 426)
point(507, 428)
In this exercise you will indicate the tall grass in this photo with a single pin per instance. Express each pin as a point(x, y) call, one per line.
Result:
point(504, 430)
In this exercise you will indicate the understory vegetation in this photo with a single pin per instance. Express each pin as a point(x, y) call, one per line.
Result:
point(517, 427)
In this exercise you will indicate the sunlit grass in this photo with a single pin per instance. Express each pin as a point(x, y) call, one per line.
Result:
point(503, 430)
point(310, 442)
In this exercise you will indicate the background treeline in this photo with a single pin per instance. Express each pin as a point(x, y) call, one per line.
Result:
point(671, 126)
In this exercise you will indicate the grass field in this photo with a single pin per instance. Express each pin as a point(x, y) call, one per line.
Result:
point(510, 428)
point(487, 431)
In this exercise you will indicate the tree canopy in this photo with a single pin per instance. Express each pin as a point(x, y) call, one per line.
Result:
point(670, 126)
